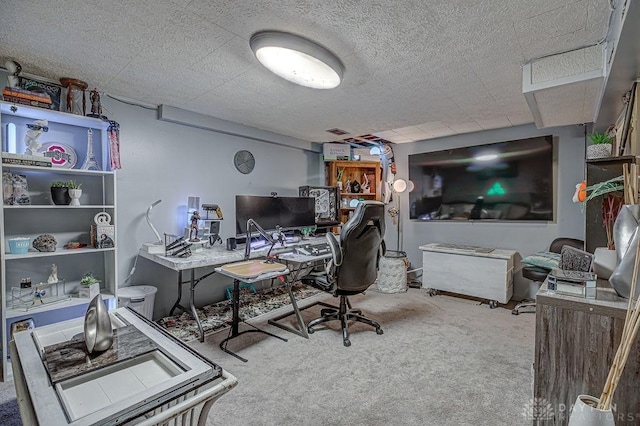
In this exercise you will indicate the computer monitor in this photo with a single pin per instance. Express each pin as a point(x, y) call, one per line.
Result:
point(269, 212)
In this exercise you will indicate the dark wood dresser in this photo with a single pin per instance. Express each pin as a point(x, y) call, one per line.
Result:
point(576, 341)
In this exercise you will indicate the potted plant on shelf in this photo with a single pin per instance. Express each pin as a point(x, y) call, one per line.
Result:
point(75, 192)
point(600, 145)
point(60, 193)
point(89, 286)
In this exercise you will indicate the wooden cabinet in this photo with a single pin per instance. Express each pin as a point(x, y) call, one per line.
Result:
point(36, 215)
point(576, 341)
point(344, 173)
point(600, 170)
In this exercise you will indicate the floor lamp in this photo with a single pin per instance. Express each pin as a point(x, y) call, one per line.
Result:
point(400, 186)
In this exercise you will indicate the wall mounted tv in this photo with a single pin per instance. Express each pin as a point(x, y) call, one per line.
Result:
point(289, 213)
point(511, 180)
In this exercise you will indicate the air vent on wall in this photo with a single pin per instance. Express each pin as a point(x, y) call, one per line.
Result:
point(566, 88)
point(338, 132)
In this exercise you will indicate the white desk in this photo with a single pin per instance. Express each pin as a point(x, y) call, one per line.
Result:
point(469, 272)
point(211, 257)
point(146, 388)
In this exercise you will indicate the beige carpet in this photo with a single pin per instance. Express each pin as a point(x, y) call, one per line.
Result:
point(441, 361)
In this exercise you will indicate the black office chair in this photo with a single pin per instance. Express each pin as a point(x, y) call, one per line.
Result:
point(537, 274)
point(354, 266)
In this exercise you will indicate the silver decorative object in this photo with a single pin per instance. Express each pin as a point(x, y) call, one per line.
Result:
point(98, 334)
point(626, 231)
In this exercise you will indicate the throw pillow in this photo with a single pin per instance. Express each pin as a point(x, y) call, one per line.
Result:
point(543, 259)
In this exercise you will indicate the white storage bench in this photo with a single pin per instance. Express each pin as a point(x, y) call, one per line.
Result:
point(472, 271)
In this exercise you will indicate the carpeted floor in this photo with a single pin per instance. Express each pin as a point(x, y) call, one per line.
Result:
point(441, 361)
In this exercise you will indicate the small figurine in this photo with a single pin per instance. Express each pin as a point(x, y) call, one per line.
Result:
point(193, 228)
point(33, 134)
point(53, 278)
point(96, 107)
point(14, 68)
point(38, 293)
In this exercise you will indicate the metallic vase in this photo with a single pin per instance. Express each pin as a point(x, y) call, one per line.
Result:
point(626, 231)
point(98, 334)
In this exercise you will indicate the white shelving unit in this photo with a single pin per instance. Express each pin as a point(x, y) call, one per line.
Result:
point(65, 223)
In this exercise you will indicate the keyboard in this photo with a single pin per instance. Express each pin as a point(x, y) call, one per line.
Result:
point(313, 249)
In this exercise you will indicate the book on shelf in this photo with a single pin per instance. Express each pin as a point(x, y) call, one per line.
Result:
point(28, 102)
point(25, 160)
point(26, 94)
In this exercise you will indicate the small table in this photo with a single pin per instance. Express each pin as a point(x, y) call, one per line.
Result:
point(152, 387)
point(248, 271)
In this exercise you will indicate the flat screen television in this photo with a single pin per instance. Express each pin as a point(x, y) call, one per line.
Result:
point(511, 180)
point(290, 213)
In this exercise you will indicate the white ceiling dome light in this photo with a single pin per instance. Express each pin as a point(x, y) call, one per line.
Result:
point(297, 59)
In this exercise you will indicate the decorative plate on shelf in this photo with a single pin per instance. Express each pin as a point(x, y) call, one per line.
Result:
point(61, 154)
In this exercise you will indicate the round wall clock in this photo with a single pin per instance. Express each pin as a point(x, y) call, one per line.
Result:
point(244, 161)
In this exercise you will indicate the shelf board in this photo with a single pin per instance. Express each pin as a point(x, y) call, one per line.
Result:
point(357, 194)
point(58, 252)
point(58, 170)
point(74, 301)
point(48, 206)
point(57, 117)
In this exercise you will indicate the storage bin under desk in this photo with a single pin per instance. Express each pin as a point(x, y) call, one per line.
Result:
point(477, 274)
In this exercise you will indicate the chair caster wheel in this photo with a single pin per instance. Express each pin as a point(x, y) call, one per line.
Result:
point(310, 330)
point(493, 304)
point(379, 331)
point(515, 312)
point(433, 292)
point(347, 342)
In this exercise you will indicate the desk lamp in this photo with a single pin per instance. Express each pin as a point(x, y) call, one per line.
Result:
point(271, 239)
point(156, 246)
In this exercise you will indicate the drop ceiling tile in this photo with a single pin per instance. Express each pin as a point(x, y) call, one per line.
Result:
point(466, 127)
point(431, 125)
point(517, 119)
point(494, 123)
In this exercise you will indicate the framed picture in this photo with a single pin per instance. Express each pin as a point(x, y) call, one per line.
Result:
point(53, 90)
point(327, 203)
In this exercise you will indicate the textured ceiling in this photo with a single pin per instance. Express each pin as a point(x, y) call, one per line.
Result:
point(415, 69)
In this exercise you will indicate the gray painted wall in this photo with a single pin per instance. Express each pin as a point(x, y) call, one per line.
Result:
point(162, 160)
point(524, 237)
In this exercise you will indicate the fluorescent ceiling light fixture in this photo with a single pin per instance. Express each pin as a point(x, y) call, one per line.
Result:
point(486, 157)
point(297, 59)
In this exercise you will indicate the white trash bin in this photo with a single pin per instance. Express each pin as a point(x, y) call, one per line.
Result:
point(140, 298)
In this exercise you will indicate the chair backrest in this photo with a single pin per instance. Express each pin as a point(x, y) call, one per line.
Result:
point(558, 243)
point(360, 241)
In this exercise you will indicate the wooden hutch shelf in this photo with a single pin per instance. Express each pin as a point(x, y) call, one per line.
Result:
point(348, 172)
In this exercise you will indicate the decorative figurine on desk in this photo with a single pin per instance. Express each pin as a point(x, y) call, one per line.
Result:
point(98, 334)
point(193, 228)
point(53, 277)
